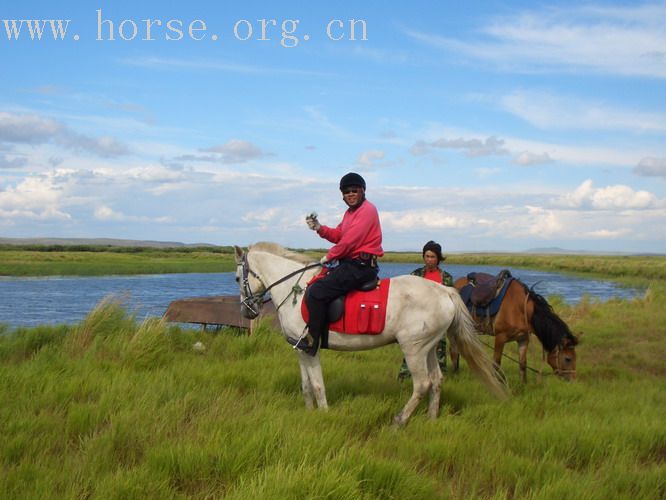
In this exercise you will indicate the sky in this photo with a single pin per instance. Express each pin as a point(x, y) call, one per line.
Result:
point(488, 126)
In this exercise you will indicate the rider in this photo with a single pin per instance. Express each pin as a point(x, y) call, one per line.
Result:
point(432, 256)
point(358, 243)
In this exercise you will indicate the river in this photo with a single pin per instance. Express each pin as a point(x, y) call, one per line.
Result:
point(27, 302)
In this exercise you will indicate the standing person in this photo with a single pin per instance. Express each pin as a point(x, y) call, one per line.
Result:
point(432, 256)
point(358, 243)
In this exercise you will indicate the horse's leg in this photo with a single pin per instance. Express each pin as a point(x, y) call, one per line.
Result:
point(418, 366)
point(315, 378)
point(522, 357)
point(455, 357)
point(435, 374)
point(306, 387)
point(500, 340)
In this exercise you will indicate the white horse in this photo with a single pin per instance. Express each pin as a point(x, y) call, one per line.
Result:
point(418, 312)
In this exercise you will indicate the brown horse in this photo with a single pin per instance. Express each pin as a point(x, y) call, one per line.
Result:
point(522, 312)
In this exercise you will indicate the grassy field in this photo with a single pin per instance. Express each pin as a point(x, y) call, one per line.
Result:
point(113, 408)
point(94, 261)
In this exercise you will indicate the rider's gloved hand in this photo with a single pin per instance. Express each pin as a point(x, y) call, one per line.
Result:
point(323, 261)
point(312, 222)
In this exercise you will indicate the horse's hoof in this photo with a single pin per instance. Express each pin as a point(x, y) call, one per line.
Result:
point(398, 421)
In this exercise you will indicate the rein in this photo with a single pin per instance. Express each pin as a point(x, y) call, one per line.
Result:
point(558, 371)
point(251, 299)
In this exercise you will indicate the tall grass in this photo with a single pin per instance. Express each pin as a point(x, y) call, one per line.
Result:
point(115, 408)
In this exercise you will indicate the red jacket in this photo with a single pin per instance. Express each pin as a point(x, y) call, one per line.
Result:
point(358, 232)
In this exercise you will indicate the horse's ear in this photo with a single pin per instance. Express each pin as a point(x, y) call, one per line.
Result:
point(238, 254)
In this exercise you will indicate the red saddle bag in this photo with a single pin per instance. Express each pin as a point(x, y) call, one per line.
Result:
point(365, 312)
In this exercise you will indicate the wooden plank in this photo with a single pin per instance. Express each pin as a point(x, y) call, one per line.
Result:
point(223, 310)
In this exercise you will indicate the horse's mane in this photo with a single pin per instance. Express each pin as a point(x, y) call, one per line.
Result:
point(275, 249)
point(549, 328)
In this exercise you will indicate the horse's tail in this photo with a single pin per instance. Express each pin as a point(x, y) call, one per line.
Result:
point(464, 338)
point(549, 328)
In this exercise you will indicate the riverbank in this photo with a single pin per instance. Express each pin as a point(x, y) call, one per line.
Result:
point(99, 261)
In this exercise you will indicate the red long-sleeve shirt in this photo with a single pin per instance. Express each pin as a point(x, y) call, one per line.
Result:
point(359, 232)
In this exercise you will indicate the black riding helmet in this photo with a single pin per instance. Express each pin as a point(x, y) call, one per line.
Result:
point(351, 179)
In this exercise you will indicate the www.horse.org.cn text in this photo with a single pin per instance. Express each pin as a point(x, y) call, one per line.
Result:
point(289, 33)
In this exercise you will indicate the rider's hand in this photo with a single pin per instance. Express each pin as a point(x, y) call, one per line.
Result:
point(323, 261)
point(312, 222)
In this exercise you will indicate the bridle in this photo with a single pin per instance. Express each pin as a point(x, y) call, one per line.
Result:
point(559, 370)
point(252, 301)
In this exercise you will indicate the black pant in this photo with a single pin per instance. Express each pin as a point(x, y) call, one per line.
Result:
point(349, 275)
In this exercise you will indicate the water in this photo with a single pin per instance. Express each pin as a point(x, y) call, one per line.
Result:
point(36, 301)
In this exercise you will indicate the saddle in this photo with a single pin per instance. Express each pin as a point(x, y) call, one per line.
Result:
point(359, 312)
point(336, 309)
point(484, 293)
point(485, 287)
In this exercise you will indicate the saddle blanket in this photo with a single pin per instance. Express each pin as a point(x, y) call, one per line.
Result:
point(364, 312)
point(492, 308)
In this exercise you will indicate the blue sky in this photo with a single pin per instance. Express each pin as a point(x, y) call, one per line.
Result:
point(489, 126)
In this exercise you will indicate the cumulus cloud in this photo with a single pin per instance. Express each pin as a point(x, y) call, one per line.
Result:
point(369, 158)
point(528, 159)
point(651, 167)
point(236, 151)
point(472, 147)
point(618, 197)
point(33, 198)
point(33, 129)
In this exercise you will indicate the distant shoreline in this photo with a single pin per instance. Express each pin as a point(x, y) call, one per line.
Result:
point(128, 243)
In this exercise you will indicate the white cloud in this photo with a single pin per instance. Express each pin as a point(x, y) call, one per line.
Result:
point(618, 197)
point(548, 111)
point(428, 218)
point(106, 213)
point(369, 158)
point(609, 233)
point(613, 40)
point(528, 159)
point(236, 151)
point(33, 198)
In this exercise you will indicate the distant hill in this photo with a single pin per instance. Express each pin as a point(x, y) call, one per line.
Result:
point(111, 242)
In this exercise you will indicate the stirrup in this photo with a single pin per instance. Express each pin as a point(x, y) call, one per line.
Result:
point(302, 345)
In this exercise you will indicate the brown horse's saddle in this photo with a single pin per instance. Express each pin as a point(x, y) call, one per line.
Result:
point(485, 287)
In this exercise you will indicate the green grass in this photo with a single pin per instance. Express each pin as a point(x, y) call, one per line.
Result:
point(105, 262)
point(114, 408)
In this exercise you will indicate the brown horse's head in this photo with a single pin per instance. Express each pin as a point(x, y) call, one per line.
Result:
point(555, 336)
point(563, 358)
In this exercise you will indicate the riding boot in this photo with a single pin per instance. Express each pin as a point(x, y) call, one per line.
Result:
point(309, 344)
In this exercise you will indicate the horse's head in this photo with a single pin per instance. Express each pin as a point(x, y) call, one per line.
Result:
point(563, 358)
point(250, 284)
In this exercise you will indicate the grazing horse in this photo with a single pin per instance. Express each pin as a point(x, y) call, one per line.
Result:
point(522, 312)
point(417, 313)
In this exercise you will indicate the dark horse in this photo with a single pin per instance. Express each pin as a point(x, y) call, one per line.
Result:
point(522, 312)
